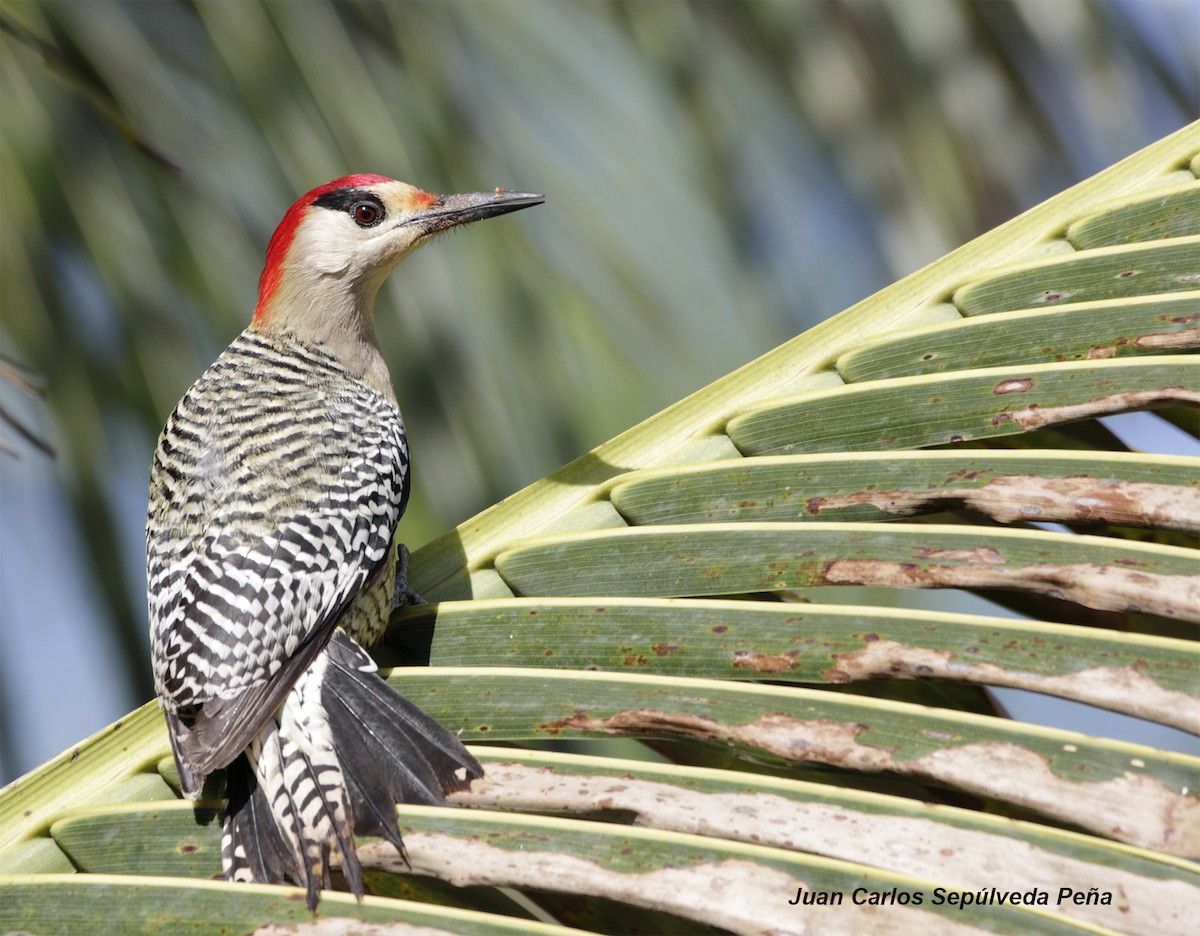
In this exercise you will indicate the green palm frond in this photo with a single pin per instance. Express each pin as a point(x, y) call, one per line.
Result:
point(657, 591)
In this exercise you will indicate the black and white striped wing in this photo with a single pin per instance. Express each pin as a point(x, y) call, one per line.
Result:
point(273, 505)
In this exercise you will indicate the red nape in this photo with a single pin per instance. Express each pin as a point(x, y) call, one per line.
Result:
point(282, 239)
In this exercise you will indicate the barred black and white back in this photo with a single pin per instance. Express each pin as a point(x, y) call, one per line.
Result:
point(275, 491)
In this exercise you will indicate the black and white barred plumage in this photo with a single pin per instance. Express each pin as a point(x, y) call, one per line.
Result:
point(275, 491)
point(274, 495)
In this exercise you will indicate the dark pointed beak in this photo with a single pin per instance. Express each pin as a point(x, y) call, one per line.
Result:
point(452, 210)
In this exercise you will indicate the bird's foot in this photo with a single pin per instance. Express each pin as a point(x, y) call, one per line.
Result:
point(404, 596)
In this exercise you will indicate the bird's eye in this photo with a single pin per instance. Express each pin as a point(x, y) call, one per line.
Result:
point(367, 214)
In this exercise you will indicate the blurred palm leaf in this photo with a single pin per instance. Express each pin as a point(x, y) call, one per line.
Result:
point(807, 745)
point(809, 153)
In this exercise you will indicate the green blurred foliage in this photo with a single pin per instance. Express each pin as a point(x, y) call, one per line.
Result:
point(718, 176)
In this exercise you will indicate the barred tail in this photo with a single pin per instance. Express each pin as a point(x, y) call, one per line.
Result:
point(342, 750)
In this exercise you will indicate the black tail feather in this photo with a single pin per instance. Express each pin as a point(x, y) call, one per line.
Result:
point(375, 811)
point(391, 752)
point(252, 846)
point(387, 751)
point(399, 759)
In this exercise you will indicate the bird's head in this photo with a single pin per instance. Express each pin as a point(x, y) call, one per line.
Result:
point(336, 245)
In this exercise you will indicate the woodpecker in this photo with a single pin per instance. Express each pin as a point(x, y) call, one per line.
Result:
point(275, 490)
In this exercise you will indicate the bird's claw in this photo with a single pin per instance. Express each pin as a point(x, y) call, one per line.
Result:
point(403, 595)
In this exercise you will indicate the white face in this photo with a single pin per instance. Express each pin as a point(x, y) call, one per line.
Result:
point(324, 272)
point(357, 233)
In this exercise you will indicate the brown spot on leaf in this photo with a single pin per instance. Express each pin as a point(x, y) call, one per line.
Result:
point(1035, 417)
point(1131, 808)
point(778, 733)
point(1105, 588)
point(1188, 338)
point(1009, 498)
point(764, 662)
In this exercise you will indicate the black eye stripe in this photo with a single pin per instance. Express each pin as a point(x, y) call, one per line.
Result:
point(344, 199)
